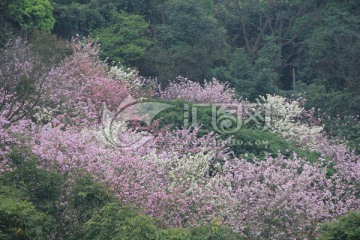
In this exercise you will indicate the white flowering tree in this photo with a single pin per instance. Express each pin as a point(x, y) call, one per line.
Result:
point(282, 116)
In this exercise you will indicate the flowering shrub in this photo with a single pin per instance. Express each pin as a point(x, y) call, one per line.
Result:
point(211, 92)
point(22, 75)
point(185, 141)
point(347, 161)
point(122, 74)
point(286, 197)
point(139, 86)
point(196, 196)
point(282, 116)
point(80, 86)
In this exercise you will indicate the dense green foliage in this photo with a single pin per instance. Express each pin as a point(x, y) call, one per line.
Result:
point(19, 219)
point(262, 47)
point(251, 80)
point(124, 39)
point(28, 197)
point(25, 15)
point(346, 227)
point(188, 42)
point(114, 221)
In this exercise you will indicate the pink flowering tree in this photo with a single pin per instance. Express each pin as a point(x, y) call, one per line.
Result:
point(74, 89)
point(22, 77)
point(281, 198)
point(347, 161)
point(80, 86)
point(211, 92)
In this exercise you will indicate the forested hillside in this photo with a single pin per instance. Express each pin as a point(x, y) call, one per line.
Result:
point(179, 119)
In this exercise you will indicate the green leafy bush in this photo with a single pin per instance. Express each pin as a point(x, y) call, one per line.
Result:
point(345, 128)
point(115, 221)
point(346, 227)
point(88, 196)
point(85, 197)
point(19, 218)
point(42, 187)
point(38, 198)
point(118, 222)
point(214, 232)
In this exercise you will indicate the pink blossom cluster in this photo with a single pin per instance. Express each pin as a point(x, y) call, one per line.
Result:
point(81, 85)
point(347, 162)
point(290, 193)
point(185, 141)
point(211, 92)
point(139, 176)
point(22, 76)
point(11, 134)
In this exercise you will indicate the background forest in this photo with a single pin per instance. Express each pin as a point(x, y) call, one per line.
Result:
point(61, 61)
point(257, 46)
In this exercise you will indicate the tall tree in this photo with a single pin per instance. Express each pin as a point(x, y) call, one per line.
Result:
point(125, 39)
point(189, 42)
point(80, 17)
point(249, 23)
point(252, 78)
point(24, 15)
point(332, 51)
point(334, 48)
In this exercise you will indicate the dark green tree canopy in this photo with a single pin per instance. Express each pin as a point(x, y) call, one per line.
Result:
point(125, 39)
point(188, 42)
point(24, 15)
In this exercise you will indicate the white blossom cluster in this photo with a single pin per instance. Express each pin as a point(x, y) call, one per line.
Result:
point(44, 114)
point(193, 170)
point(282, 116)
point(130, 75)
